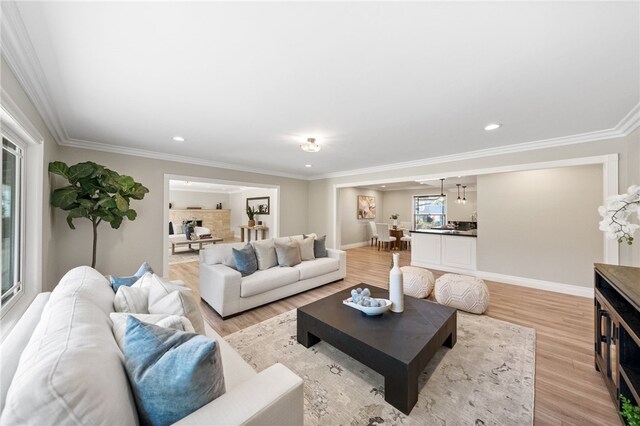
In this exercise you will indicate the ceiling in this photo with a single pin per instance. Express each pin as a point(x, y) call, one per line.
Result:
point(197, 186)
point(449, 184)
point(375, 83)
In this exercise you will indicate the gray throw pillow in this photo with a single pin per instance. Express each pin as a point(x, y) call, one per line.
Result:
point(288, 253)
point(319, 246)
point(246, 261)
point(265, 253)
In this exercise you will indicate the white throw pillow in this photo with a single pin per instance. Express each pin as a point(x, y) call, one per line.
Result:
point(144, 281)
point(306, 249)
point(214, 254)
point(174, 322)
point(132, 299)
point(265, 253)
point(167, 298)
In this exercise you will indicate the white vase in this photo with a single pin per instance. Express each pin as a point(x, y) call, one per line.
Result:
point(395, 222)
point(396, 287)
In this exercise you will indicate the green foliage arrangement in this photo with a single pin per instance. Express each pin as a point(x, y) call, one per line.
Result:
point(251, 212)
point(630, 412)
point(95, 193)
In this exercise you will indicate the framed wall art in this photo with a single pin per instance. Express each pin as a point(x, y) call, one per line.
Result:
point(366, 207)
point(262, 205)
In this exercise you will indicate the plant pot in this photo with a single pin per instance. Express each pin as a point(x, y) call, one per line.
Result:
point(252, 223)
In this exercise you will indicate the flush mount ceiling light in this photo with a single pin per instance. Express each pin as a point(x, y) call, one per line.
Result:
point(492, 126)
point(307, 165)
point(310, 145)
point(178, 139)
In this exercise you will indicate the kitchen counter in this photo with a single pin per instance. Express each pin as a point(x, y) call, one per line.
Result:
point(470, 233)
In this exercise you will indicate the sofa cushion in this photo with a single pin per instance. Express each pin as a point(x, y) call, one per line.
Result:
point(174, 322)
point(172, 373)
point(315, 268)
point(306, 249)
point(266, 280)
point(220, 253)
point(132, 299)
point(116, 281)
point(71, 370)
point(265, 253)
point(288, 253)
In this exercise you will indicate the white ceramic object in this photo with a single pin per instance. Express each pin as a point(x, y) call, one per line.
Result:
point(367, 309)
point(396, 290)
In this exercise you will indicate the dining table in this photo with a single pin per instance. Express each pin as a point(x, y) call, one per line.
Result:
point(397, 233)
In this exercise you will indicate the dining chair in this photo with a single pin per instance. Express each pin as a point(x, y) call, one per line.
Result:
point(382, 229)
point(374, 232)
point(405, 239)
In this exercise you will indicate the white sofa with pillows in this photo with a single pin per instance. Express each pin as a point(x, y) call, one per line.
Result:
point(71, 359)
point(284, 266)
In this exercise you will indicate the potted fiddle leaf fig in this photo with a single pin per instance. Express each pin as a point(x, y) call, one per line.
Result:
point(95, 193)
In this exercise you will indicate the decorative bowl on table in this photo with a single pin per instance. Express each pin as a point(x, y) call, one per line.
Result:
point(370, 310)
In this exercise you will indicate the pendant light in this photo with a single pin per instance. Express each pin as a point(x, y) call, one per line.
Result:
point(441, 189)
point(459, 200)
point(464, 194)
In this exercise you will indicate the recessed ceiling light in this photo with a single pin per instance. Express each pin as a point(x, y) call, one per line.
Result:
point(492, 126)
point(178, 138)
point(384, 186)
point(307, 165)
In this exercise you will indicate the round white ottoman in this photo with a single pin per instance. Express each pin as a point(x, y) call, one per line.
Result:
point(418, 282)
point(462, 292)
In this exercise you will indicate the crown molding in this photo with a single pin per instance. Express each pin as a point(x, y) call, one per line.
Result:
point(114, 149)
point(627, 125)
point(14, 123)
point(18, 52)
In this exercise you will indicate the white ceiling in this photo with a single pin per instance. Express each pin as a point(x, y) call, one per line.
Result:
point(197, 186)
point(375, 83)
point(449, 184)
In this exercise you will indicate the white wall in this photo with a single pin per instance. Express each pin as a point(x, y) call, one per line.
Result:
point(541, 224)
point(207, 200)
point(461, 212)
point(238, 206)
point(352, 229)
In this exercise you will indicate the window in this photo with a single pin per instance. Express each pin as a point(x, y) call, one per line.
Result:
point(429, 211)
point(13, 212)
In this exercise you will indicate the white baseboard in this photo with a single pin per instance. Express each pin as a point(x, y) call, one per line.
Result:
point(563, 288)
point(355, 245)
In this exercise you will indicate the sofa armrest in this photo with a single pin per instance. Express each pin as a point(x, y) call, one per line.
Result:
point(14, 343)
point(272, 397)
point(220, 287)
point(341, 255)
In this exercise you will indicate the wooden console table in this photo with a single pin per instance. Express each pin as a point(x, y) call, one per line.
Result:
point(617, 330)
point(256, 228)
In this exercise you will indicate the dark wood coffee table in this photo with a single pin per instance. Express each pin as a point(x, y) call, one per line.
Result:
point(396, 345)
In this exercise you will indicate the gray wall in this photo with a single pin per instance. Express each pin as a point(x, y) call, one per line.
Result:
point(121, 251)
point(206, 200)
point(352, 229)
point(541, 224)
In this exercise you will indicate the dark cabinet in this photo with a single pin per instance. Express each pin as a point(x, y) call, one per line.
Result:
point(617, 330)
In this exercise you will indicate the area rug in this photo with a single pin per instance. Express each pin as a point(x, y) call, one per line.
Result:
point(486, 379)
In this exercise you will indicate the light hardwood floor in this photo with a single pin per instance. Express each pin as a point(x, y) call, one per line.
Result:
point(568, 390)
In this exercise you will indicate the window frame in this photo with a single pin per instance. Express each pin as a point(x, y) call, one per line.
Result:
point(17, 290)
point(416, 198)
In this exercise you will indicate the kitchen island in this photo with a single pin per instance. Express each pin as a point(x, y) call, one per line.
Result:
point(445, 249)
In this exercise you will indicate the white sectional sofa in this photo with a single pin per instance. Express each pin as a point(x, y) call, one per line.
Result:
point(61, 365)
point(228, 292)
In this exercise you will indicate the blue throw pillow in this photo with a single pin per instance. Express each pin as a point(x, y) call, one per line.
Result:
point(246, 260)
point(129, 281)
point(172, 373)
